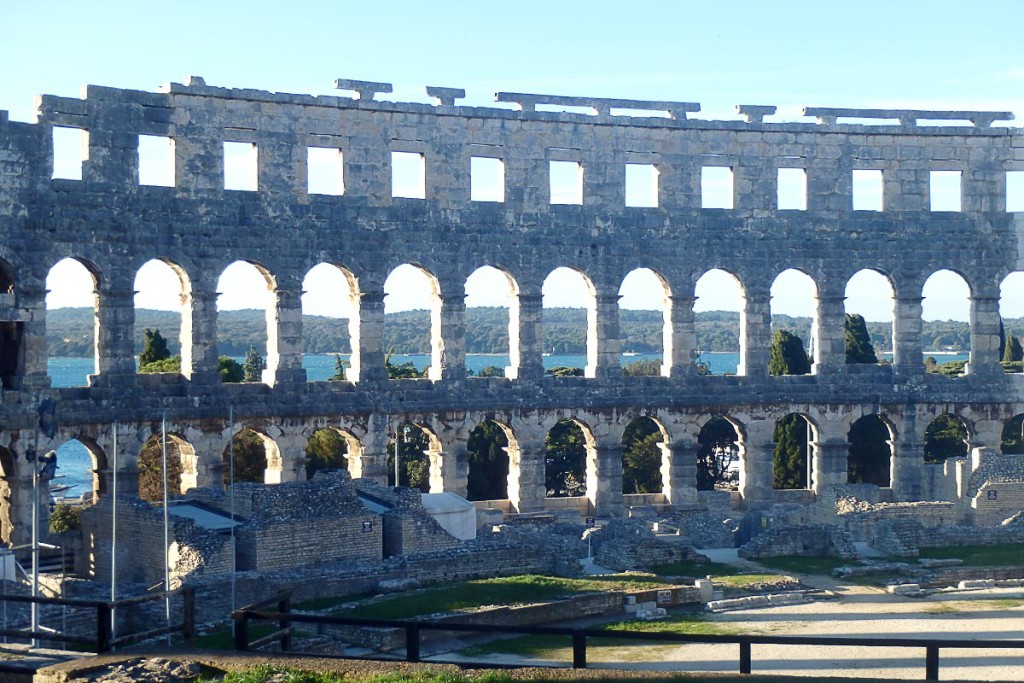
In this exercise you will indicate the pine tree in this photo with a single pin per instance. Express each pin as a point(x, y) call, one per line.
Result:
point(858, 342)
point(154, 348)
point(787, 355)
point(253, 366)
point(1013, 351)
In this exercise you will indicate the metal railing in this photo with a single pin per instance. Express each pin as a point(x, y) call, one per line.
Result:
point(580, 638)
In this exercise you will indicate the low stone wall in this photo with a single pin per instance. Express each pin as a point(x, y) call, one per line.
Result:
point(820, 541)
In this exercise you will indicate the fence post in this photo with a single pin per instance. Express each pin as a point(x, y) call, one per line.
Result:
point(412, 643)
point(188, 607)
point(579, 650)
point(241, 631)
point(284, 606)
point(744, 656)
point(102, 627)
point(931, 662)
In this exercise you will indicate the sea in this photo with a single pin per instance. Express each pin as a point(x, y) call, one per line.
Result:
point(74, 463)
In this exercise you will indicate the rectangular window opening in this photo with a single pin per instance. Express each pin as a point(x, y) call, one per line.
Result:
point(408, 175)
point(566, 182)
point(792, 189)
point(716, 187)
point(156, 160)
point(867, 190)
point(944, 190)
point(1015, 190)
point(240, 166)
point(324, 171)
point(486, 179)
point(641, 185)
point(70, 150)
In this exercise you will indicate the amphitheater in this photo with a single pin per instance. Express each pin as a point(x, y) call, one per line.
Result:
point(113, 224)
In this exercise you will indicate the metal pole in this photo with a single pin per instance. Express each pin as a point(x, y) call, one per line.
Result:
point(113, 543)
point(35, 531)
point(231, 504)
point(167, 531)
point(398, 482)
point(807, 454)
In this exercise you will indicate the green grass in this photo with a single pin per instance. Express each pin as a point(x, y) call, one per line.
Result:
point(224, 639)
point(820, 566)
point(513, 590)
point(747, 580)
point(979, 555)
point(1001, 603)
point(695, 569)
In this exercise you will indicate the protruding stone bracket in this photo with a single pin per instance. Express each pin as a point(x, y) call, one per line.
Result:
point(908, 118)
point(755, 113)
point(4, 116)
point(194, 81)
point(600, 107)
point(446, 96)
point(365, 90)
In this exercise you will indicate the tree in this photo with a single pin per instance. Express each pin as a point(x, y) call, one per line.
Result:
point(413, 463)
point(404, 370)
point(326, 450)
point(790, 461)
point(491, 371)
point(154, 348)
point(641, 457)
point(787, 355)
point(254, 365)
point(340, 370)
point(230, 369)
point(488, 462)
point(1013, 351)
point(869, 452)
point(565, 460)
point(946, 437)
point(151, 470)
point(642, 368)
point(858, 342)
point(1013, 436)
point(249, 454)
point(716, 444)
point(563, 371)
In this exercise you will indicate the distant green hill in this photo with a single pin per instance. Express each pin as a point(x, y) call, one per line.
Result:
point(70, 331)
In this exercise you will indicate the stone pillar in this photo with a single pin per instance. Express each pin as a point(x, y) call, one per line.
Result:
point(19, 507)
point(907, 465)
point(451, 472)
point(112, 157)
point(829, 336)
point(679, 337)
point(366, 332)
point(603, 342)
point(525, 329)
point(448, 338)
point(755, 333)
point(208, 460)
point(115, 335)
point(907, 361)
point(199, 337)
point(985, 442)
point(36, 374)
point(679, 472)
point(526, 488)
point(828, 464)
point(757, 455)
point(372, 460)
point(284, 339)
point(604, 480)
point(985, 351)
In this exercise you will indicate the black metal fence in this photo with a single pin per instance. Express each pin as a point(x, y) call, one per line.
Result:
point(284, 618)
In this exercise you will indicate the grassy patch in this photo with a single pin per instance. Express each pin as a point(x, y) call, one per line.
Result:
point(694, 569)
point(1001, 603)
point(224, 639)
point(941, 608)
point(821, 566)
point(747, 580)
point(979, 555)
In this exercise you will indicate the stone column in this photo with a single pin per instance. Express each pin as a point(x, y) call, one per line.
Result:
point(372, 460)
point(448, 338)
point(209, 460)
point(985, 351)
point(199, 337)
point(525, 329)
point(449, 468)
point(113, 157)
point(679, 472)
point(603, 342)
point(526, 488)
point(985, 442)
point(907, 361)
point(905, 470)
point(829, 335)
point(366, 332)
point(115, 336)
point(19, 508)
point(679, 337)
point(36, 375)
point(757, 455)
point(604, 480)
point(828, 464)
point(755, 333)
point(284, 339)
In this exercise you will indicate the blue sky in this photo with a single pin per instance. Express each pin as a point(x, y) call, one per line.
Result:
point(869, 54)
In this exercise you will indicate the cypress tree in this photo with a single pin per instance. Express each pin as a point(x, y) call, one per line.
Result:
point(859, 348)
point(787, 355)
point(154, 348)
point(1012, 351)
point(790, 462)
point(253, 366)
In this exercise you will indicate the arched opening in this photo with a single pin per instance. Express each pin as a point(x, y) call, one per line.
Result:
point(12, 355)
point(492, 324)
point(419, 458)
point(794, 311)
point(645, 323)
point(181, 468)
point(80, 469)
point(1011, 314)
point(718, 456)
point(330, 322)
point(870, 452)
point(1013, 436)
point(642, 456)
point(245, 297)
point(251, 457)
point(570, 346)
point(488, 446)
point(946, 332)
point(162, 292)
point(71, 323)
point(946, 437)
point(412, 334)
point(870, 304)
point(568, 452)
point(330, 448)
point(720, 322)
point(791, 461)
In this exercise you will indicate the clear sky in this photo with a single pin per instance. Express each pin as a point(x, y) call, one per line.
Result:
point(921, 54)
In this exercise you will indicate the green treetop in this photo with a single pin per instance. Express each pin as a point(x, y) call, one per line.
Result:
point(154, 348)
point(787, 355)
point(858, 342)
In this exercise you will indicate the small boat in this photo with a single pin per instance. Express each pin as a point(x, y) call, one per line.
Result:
point(630, 354)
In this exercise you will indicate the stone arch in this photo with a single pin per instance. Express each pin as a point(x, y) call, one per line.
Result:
point(419, 459)
point(719, 445)
point(491, 279)
point(643, 456)
point(251, 283)
point(7, 277)
point(162, 272)
point(12, 354)
point(870, 453)
point(75, 269)
point(333, 448)
point(182, 467)
point(562, 285)
point(789, 284)
point(402, 279)
point(255, 455)
point(866, 296)
point(570, 460)
point(794, 435)
point(493, 454)
point(330, 290)
point(720, 294)
point(946, 296)
point(1011, 313)
point(946, 436)
point(1012, 441)
point(645, 289)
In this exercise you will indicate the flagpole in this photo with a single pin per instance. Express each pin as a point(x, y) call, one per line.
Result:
point(167, 531)
point(113, 541)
